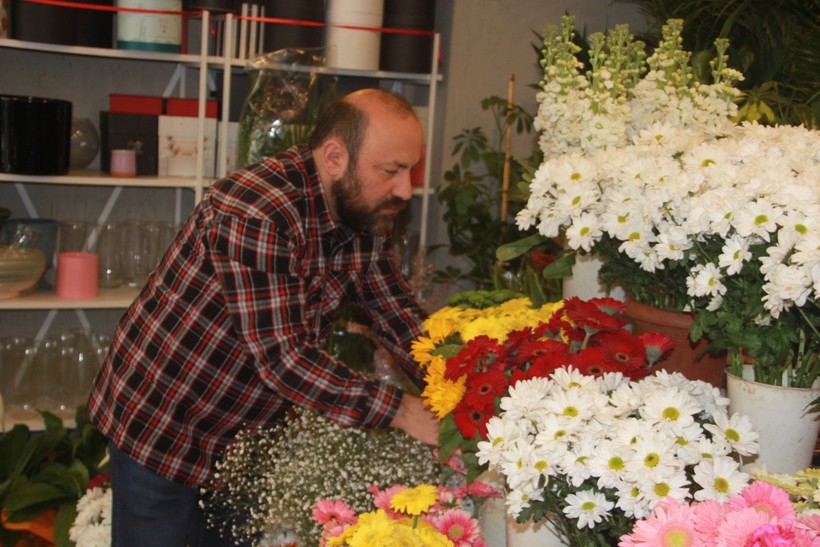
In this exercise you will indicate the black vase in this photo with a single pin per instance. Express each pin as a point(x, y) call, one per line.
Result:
point(35, 135)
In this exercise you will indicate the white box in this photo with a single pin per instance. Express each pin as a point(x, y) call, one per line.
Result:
point(177, 145)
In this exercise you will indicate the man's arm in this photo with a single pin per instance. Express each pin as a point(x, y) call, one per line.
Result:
point(416, 420)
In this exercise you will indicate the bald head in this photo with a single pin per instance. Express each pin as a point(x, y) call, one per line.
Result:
point(347, 119)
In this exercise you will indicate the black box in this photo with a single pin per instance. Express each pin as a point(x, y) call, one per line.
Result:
point(130, 131)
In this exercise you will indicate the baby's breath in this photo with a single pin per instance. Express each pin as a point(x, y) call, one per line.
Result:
point(270, 480)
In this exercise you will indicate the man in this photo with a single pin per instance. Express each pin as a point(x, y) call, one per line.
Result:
point(229, 330)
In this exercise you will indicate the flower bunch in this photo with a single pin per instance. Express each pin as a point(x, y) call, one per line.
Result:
point(424, 515)
point(269, 480)
point(688, 210)
point(473, 357)
point(760, 515)
point(593, 454)
point(92, 525)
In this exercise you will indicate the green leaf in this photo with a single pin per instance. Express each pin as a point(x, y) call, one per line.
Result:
point(449, 437)
point(560, 267)
point(66, 514)
point(14, 451)
point(28, 499)
point(447, 350)
point(514, 249)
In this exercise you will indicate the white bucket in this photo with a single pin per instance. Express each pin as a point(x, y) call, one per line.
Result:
point(150, 31)
point(353, 48)
point(788, 431)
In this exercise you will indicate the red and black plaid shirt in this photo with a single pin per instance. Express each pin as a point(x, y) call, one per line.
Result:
point(230, 328)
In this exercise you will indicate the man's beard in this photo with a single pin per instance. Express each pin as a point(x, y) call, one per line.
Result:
point(347, 195)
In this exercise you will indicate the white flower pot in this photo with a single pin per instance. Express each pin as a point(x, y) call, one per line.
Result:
point(531, 534)
point(584, 283)
point(788, 432)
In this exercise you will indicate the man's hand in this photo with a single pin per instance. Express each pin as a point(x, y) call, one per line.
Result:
point(416, 420)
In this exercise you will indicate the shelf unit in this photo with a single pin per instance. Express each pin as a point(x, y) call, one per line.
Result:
point(206, 63)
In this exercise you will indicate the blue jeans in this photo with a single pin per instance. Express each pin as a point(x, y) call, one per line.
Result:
point(150, 510)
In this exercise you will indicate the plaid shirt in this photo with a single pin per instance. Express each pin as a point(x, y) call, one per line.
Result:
point(229, 331)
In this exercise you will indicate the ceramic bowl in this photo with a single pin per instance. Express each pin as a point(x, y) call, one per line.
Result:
point(20, 270)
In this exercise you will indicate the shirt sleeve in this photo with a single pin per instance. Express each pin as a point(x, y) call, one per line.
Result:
point(265, 274)
point(393, 310)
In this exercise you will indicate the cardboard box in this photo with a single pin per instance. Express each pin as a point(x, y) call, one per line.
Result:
point(129, 131)
point(175, 106)
point(177, 146)
point(136, 104)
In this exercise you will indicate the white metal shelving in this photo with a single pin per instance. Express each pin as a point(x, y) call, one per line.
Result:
point(227, 64)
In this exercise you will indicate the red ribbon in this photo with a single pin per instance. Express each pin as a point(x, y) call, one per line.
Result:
point(277, 20)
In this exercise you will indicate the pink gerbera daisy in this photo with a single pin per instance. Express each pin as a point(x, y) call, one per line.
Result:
point(381, 499)
point(669, 526)
point(810, 523)
point(709, 515)
point(738, 526)
point(335, 511)
point(459, 527)
point(767, 499)
point(779, 535)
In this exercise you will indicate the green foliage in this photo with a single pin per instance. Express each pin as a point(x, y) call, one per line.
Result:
point(775, 43)
point(48, 470)
point(472, 193)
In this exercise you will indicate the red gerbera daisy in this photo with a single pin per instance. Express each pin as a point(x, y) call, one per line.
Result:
point(656, 345)
point(593, 362)
point(474, 356)
point(592, 314)
point(483, 387)
point(472, 421)
point(623, 348)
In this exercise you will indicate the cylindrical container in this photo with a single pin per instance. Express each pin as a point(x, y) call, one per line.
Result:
point(123, 163)
point(280, 35)
point(353, 48)
point(95, 27)
point(108, 247)
point(36, 22)
point(408, 52)
point(77, 275)
point(35, 135)
point(150, 31)
point(73, 236)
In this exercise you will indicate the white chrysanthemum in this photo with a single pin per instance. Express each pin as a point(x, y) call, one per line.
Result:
point(705, 280)
point(575, 463)
point(652, 457)
point(500, 432)
point(573, 406)
point(673, 485)
point(759, 218)
point(736, 431)
point(608, 463)
point(92, 525)
point(670, 405)
point(734, 254)
point(526, 399)
point(719, 478)
point(584, 231)
point(588, 506)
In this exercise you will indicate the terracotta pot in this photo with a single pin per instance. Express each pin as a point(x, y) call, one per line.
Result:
point(686, 357)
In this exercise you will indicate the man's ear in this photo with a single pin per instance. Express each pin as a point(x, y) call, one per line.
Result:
point(334, 157)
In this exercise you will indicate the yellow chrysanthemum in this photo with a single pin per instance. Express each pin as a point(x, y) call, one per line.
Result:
point(371, 529)
point(486, 326)
point(431, 537)
point(414, 501)
point(514, 306)
point(421, 350)
point(442, 395)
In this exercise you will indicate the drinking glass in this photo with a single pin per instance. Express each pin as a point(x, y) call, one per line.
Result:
point(108, 246)
point(74, 236)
